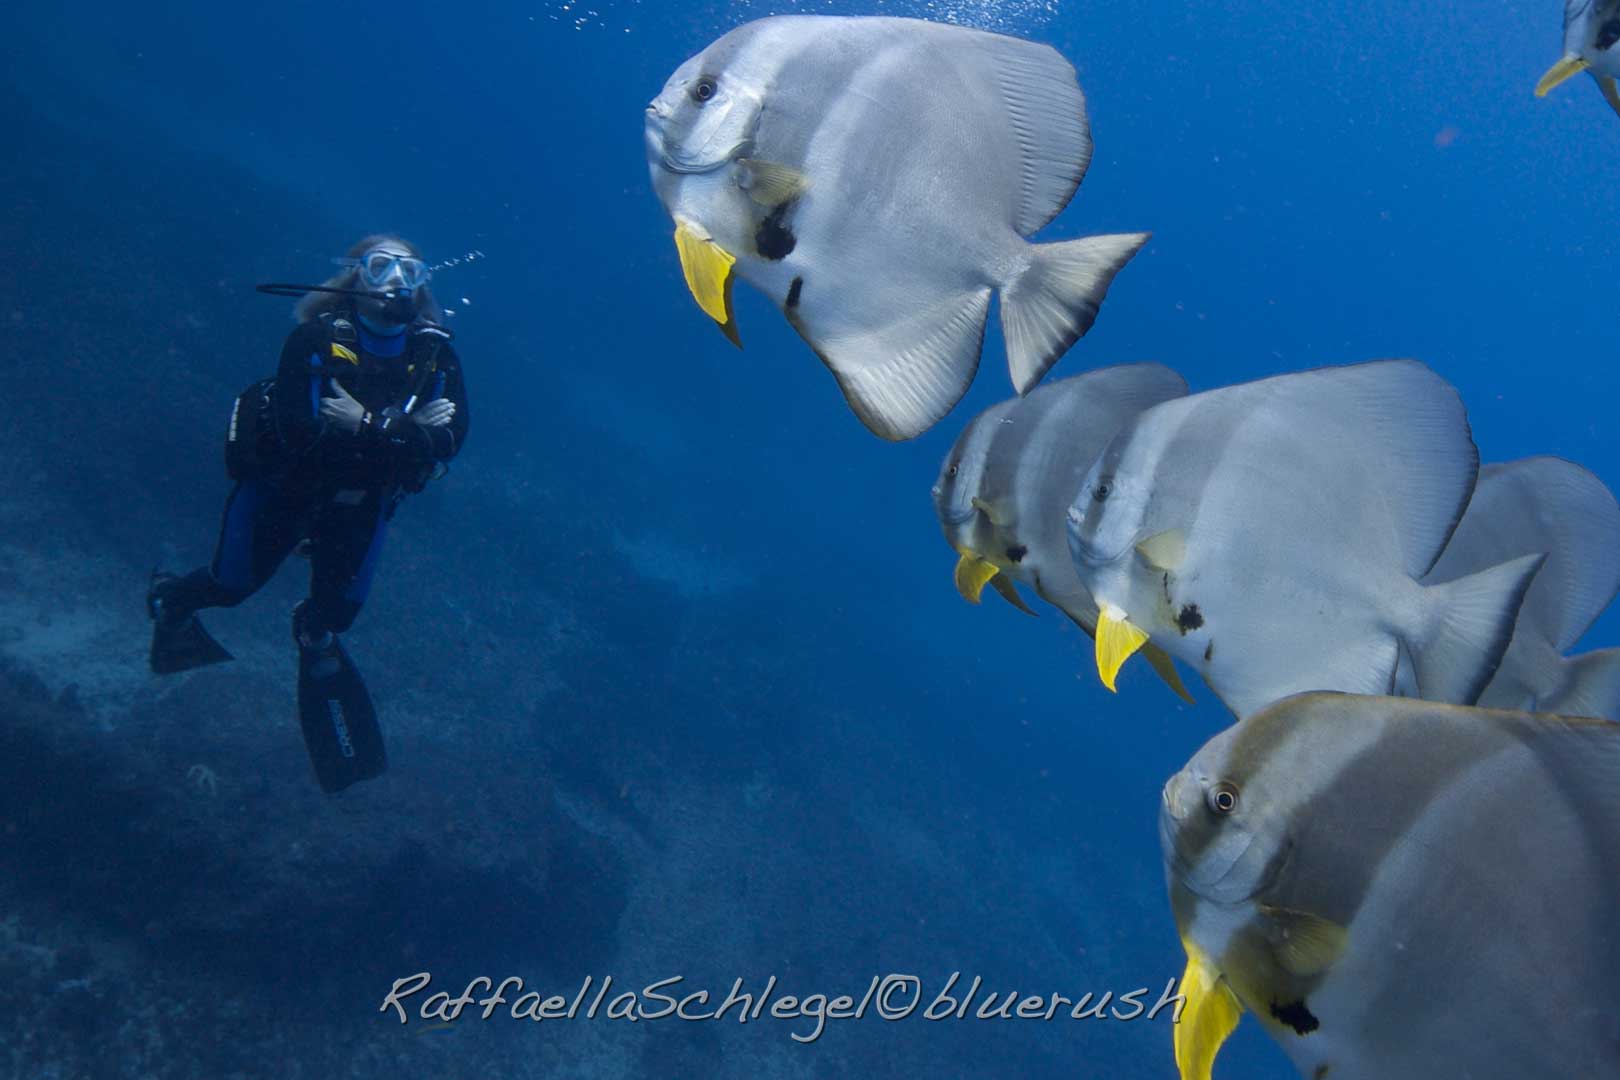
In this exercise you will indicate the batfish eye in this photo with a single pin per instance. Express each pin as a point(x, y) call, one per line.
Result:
point(704, 89)
point(1100, 492)
point(1223, 798)
point(954, 467)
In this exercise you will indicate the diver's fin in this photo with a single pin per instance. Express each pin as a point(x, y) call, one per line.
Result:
point(1610, 93)
point(1054, 301)
point(182, 646)
point(707, 267)
point(177, 644)
point(1470, 626)
point(339, 722)
point(1009, 593)
point(769, 183)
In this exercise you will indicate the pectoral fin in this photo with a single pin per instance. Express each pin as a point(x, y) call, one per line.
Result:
point(707, 267)
point(769, 183)
point(1210, 1014)
point(1117, 639)
point(1009, 593)
point(1567, 68)
point(1305, 944)
point(972, 574)
point(1164, 551)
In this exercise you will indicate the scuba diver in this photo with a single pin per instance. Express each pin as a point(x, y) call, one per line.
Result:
point(366, 406)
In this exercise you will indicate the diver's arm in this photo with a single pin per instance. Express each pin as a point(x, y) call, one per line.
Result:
point(298, 386)
point(411, 443)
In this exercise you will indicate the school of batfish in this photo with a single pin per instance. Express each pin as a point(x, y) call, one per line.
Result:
point(1403, 855)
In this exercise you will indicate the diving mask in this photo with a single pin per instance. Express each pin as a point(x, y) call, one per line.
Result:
point(378, 269)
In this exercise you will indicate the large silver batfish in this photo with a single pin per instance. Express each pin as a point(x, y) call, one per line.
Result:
point(876, 177)
point(1274, 535)
point(1401, 890)
point(1591, 44)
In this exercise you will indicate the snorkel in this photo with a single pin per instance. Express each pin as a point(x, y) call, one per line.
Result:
point(398, 305)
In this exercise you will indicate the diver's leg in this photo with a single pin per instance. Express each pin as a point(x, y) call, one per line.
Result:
point(338, 719)
point(258, 530)
point(347, 544)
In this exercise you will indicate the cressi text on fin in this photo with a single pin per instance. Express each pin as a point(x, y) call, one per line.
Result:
point(708, 270)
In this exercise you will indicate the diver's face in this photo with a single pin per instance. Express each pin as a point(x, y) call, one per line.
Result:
point(386, 268)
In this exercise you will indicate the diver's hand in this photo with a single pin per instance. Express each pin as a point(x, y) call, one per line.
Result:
point(436, 413)
point(342, 410)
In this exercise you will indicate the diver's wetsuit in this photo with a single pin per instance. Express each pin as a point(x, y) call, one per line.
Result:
point(334, 488)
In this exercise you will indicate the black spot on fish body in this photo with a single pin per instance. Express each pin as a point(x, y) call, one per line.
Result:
point(1297, 1016)
point(1189, 619)
point(1607, 35)
point(1165, 584)
point(1017, 552)
point(1321, 1072)
point(1209, 651)
point(774, 240)
point(793, 302)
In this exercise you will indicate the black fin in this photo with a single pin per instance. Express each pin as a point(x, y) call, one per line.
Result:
point(178, 644)
point(339, 722)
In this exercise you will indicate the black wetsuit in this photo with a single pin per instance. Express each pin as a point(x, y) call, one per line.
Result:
point(334, 488)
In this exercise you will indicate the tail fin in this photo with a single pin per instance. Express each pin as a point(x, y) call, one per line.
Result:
point(1055, 300)
point(1469, 628)
point(1593, 688)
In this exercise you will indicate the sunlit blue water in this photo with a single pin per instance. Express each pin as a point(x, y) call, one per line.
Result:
point(673, 595)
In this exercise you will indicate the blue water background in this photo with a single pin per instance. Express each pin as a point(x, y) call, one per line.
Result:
point(1325, 184)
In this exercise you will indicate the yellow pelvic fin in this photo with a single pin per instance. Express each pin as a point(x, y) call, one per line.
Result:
point(972, 574)
point(707, 267)
point(771, 184)
point(343, 352)
point(1566, 68)
point(1165, 669)
point(1009, 593)
point(1209, 1015)
point(1610, 94)
point(1305, 944)
point(1164, 551)
point(1117, 638)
